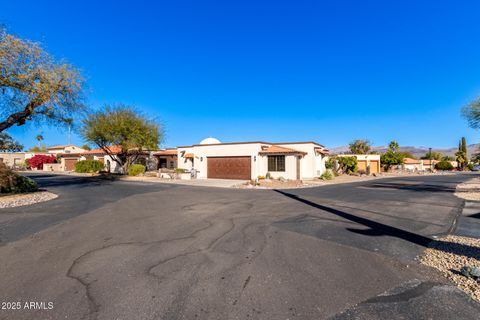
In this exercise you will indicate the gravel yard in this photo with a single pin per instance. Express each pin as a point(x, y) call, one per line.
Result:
point(469, 190)
point(449, 255)
point(18, 200)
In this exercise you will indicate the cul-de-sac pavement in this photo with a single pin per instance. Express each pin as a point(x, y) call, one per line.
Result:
point(109, 249)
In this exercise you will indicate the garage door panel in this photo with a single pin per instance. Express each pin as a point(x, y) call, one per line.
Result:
point(362, 165)
point(229, 168)
point(374, 166)
point(70, 164)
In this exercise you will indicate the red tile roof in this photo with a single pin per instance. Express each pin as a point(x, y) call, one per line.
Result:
point(322, 151)
point(427, 162)
point(112, 149)
point(280, 150)
point(166, 153)
point(188, 155)
point(411, 161)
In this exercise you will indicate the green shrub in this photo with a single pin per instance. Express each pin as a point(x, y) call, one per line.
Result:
point(328, 175)
point(444, 165)
point(261, 177)
point(88, 166)
point(330, 162)
point(180, 170)
point(11, 182)
point(136, 169)
point(348, 165)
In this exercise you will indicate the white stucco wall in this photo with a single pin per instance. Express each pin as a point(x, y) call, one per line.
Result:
point(311, 164)
point(202, 152)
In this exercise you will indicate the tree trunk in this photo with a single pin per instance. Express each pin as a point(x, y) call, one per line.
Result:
point(20, 117)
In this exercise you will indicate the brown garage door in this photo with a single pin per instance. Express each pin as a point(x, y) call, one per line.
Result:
point(362, 165)
point(70, 164)
point(374, 166)
point(229, 168)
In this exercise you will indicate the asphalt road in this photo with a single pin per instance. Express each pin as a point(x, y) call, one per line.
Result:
point(127, 250)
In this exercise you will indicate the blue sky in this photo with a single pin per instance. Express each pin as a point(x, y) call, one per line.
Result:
point(328, 71)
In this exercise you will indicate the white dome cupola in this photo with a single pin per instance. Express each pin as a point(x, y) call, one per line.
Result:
point(210, 140)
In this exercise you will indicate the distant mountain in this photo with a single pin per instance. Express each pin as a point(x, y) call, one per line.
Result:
point(416, 151)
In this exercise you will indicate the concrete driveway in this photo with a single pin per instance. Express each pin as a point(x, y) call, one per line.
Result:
point(128, 250)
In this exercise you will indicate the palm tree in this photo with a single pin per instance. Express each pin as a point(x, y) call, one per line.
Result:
point(394, 146)
point(69, 122)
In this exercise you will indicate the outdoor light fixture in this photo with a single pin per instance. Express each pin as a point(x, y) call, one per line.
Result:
point(254, 158)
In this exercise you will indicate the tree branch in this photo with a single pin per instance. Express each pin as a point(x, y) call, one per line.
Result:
point(21, 116)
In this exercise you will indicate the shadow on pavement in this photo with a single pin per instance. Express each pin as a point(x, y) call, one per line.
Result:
point(380, 229)
point(45, 180)
point(412, 187)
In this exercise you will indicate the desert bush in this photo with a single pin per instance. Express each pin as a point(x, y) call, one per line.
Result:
point(11, 182)
point(136, 169)
point(88, 166)
point(38, 160)
point(443, 165)
point(330, 163)
point(261, 177)
point(328, 175)
point(181, 170)
point(348, 165)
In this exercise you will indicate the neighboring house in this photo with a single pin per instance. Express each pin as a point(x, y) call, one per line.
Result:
point(17, 159)
point(367, 163)
point(167, 159)
point(249, 160)
point(69, 148)
point(410, 164)
point(12, 159)
point(70, 159)
point(110, 165)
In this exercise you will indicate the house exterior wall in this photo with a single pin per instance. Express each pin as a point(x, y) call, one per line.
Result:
point(182, 162)
point(66, 149)
point(412, 166)
point(114, 166)
point(11, 159)
point(202, 152)
point(311, 164)
point(290, 168)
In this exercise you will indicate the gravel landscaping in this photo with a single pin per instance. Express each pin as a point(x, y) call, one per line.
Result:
point(449, 255)
point(25, 199)
point(469, 190)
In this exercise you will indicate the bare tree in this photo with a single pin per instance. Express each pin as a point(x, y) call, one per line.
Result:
point(35, 86)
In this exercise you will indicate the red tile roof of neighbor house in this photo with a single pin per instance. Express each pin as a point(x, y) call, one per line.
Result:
point(322, 151)
point(188, 155)
point(280, 150)
point(411, 161)
point(166, 153)
point(112, 149)
point(427, 162)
